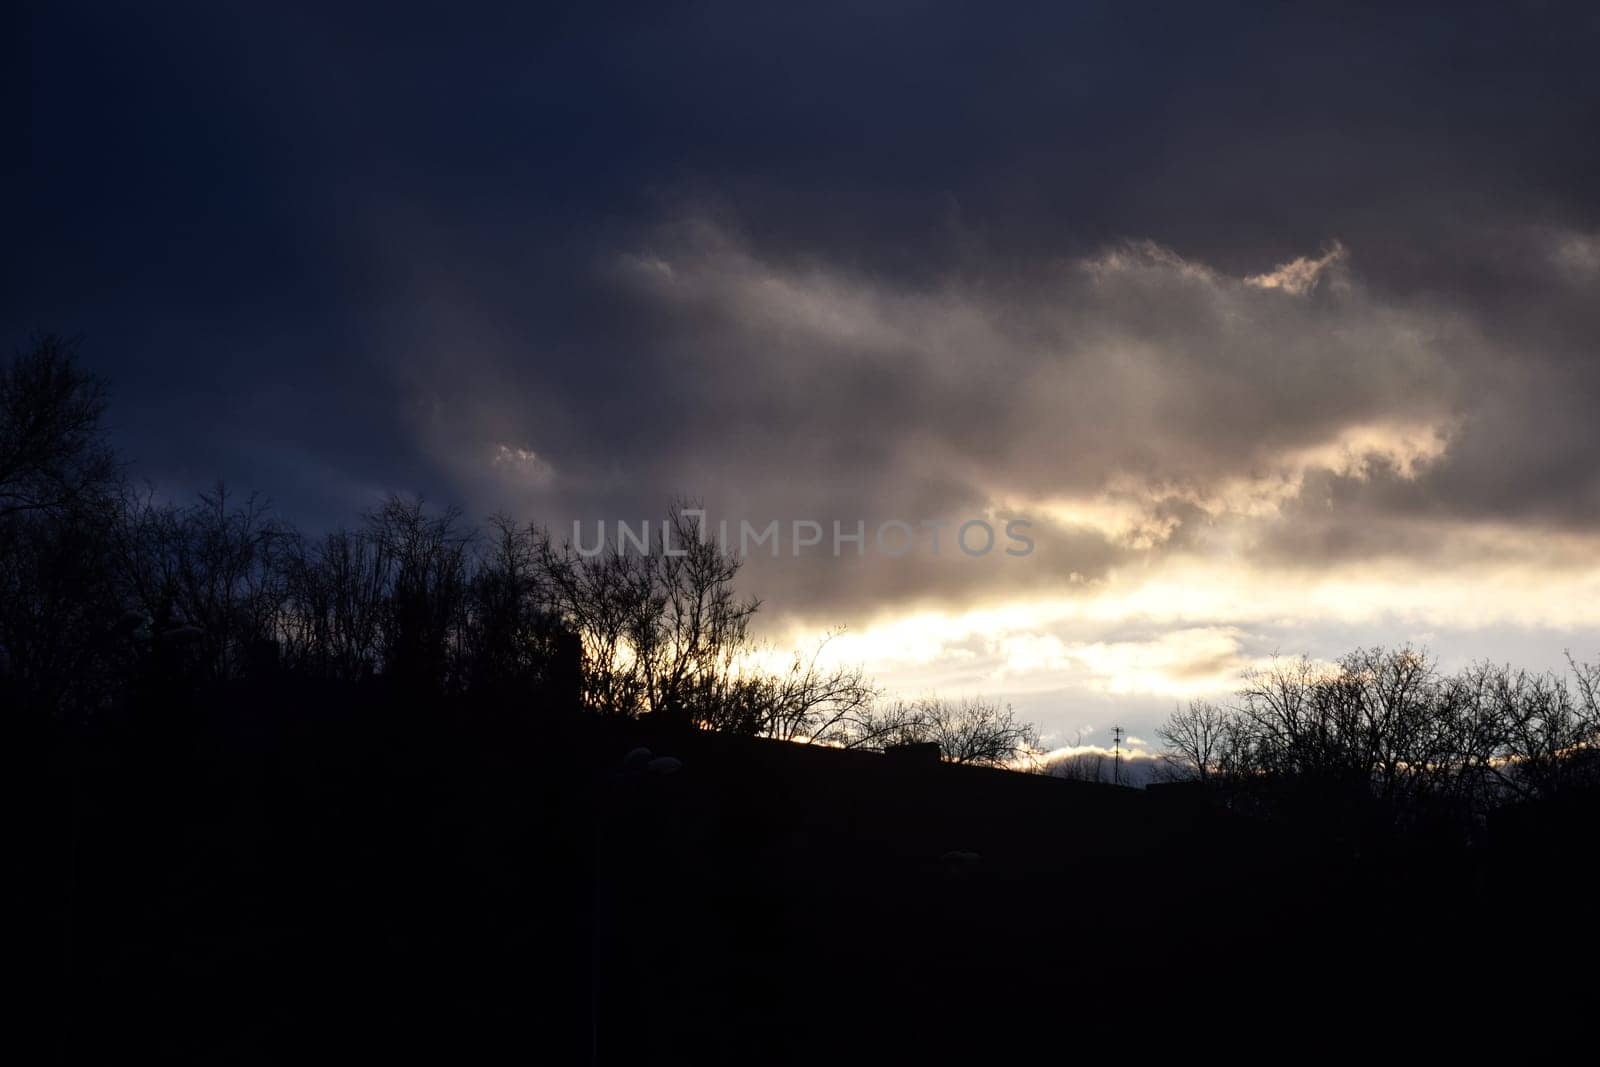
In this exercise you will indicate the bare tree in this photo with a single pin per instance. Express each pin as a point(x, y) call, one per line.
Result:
point(662, 630)
point(1382, 729)
point(62, 641)
point(808, 702)
point(969, 730)
point(58, 482)
point(510, 636)
point(1195, 741)
point(332, 626)
point(425, 593)
point(53, 455)
point(601, 598)
point(1550, 730)
point(699, 627)
point(213, 571)
point(1086, 766)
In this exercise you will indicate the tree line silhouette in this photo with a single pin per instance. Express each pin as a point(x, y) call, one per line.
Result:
point(1386, 734)
point(111, 593)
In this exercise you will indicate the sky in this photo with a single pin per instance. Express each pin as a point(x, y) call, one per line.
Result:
point(1277, 323)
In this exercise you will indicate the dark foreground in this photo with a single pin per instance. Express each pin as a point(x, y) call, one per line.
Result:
point(262, 879)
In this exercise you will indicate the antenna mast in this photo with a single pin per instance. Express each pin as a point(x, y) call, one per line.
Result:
point(1116, 751)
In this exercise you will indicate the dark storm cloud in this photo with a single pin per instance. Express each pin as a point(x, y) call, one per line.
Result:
point(918, 262)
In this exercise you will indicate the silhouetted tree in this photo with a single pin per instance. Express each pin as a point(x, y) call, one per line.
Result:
point(211, 574)
point(332, 624)
point(604, 599)
point(1087, 766)
point(511, 638)
point(425, 561)
point(53, 455)
point(1196, 741)
point(968, 730)
point(1550, 728)
point(662, 630)
point(61, 628)
point(807, 702)
point(64, 634)
point(1384, 734)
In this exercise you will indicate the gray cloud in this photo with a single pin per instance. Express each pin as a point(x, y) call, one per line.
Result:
point(1343, 417)
point(782, 387)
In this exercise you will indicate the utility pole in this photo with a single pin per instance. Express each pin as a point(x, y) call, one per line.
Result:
point(1116, 752)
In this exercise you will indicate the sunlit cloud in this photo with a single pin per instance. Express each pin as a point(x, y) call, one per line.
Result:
point(1137, 513)
point(1198, 622)
point(1300, 275)
point(1177, 663)
point(523, 464)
